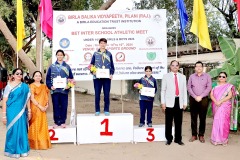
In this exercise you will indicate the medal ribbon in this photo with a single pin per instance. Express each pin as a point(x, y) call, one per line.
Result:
point(103, 57)
point(61, 67)
point(149, 81)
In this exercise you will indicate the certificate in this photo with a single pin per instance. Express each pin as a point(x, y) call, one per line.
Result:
point(102, 73)
point(146, 91)
point(59, 82)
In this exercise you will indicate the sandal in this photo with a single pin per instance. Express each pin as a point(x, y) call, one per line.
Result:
point(55, 126)
point(63, 125)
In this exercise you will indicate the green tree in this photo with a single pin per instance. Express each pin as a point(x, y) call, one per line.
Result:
point(232, 64)
point(31, 16)
point(228, 10)
point(216, 22)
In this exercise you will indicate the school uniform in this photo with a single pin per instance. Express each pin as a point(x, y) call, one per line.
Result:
point(145, 102)
point(102, 60)
point(59, 95)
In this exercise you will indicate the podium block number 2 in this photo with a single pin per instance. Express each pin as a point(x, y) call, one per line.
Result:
point(106, 132)
point(52, 136)
point(151, 136)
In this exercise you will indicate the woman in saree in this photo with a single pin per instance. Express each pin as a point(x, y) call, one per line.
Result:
point(38, 127)
point(221, 105)
point(16, 112)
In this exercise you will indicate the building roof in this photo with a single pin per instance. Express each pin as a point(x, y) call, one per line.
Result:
point(206, 58)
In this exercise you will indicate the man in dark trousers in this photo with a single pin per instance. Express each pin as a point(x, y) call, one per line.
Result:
point(199, 86)
point(102, 59)
point(174, 101)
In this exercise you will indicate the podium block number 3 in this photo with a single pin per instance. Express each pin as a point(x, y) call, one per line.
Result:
point(151, 136)
point(52, 136)
point(106, 132)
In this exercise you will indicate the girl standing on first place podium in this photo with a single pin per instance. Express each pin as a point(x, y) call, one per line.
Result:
point(102, 59)
point(146, 102)
point(59, 71)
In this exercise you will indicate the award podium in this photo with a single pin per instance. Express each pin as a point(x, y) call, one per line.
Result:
point(63, 135)
point(150, 134)
point(116, 128)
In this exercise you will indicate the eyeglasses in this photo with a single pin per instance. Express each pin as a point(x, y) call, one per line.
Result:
point(221, 77)
point(18, 74)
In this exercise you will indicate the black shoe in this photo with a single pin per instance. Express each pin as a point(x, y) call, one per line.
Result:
point(180, 143)
point(168, 143)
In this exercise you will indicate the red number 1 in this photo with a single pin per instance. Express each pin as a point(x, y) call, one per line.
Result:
point(52, 137)
point(106, 133)
point(150, 133)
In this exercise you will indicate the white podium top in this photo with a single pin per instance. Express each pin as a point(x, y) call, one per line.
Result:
point(111, 114)
point(115, 128)
point(161, 126)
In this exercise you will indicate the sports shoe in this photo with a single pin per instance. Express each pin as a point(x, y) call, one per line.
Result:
point(141, 125)
point(149, 124)
point(97, 113)
point(106, 113)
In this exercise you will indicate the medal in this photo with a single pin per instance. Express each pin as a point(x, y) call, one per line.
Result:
point(103, 59)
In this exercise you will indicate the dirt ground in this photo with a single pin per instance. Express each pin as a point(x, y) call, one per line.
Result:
point(129, 151)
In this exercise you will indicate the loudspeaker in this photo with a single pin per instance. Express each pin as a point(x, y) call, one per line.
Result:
point(3, 75)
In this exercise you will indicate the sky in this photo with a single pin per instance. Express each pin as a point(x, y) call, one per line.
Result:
point(122, 4)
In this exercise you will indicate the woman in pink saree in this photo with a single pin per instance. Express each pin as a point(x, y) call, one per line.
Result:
point(221, 104)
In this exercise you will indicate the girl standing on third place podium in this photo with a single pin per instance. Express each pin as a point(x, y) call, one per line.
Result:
point(59, 71)
point(146, 102)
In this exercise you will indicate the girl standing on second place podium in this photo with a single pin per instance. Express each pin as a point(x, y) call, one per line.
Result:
point(146, 102)
point(59, 71)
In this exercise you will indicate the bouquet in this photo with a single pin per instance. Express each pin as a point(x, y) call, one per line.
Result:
point(92, 68)
point(71, 83)
point(138, 85)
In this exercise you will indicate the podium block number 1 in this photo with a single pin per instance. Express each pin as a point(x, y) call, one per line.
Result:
point(106, 132)
point(150, 135)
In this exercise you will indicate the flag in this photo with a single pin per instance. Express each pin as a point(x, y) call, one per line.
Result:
point(199, 24)
point(46, 17)
point(20, 25)
point(183, 17)
point(238, 8)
